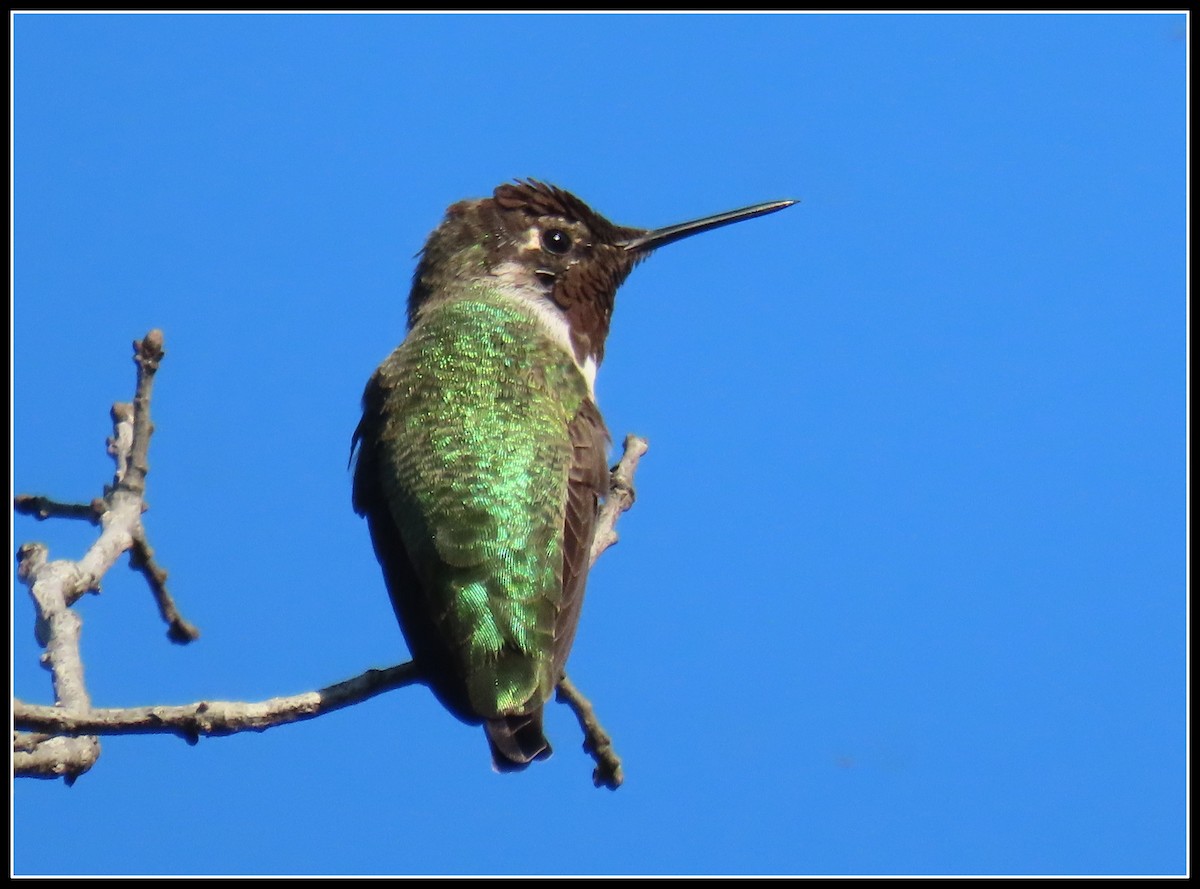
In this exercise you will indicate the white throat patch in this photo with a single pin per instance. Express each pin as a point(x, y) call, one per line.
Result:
point(513, 281)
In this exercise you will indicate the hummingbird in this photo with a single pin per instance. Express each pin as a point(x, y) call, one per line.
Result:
point(481, 453)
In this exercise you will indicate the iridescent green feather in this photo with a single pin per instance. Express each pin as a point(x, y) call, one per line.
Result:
point(475, 456)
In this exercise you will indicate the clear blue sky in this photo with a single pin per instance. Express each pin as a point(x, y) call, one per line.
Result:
point(904, 588)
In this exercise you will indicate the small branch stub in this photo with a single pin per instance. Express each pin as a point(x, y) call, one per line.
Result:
point(620, 494)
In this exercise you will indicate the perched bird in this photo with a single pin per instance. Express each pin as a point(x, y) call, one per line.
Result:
point(482, 457)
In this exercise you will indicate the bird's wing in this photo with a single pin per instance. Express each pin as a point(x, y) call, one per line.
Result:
point(586, 487)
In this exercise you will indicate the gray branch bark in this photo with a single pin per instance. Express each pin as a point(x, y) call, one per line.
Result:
point(56, 585)
point(212, 718)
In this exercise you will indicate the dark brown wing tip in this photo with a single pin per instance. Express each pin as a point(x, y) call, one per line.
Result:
point(516, 741)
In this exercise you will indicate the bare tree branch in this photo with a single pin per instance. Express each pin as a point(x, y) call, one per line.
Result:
point(620, 495)
point(141, 558)
point(213, 718)
point(148, 355)
point(61, 740)
point(596, 741)
point(42, 508)
point(54, 585)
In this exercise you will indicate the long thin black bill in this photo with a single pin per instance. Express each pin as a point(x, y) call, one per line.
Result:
point(660, 236)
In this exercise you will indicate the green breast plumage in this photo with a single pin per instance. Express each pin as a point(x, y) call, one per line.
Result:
point(474, 456)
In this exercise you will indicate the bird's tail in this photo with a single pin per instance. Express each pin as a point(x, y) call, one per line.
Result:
point(516, 741)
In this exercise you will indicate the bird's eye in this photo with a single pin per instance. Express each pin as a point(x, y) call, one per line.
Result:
point(555, 240)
